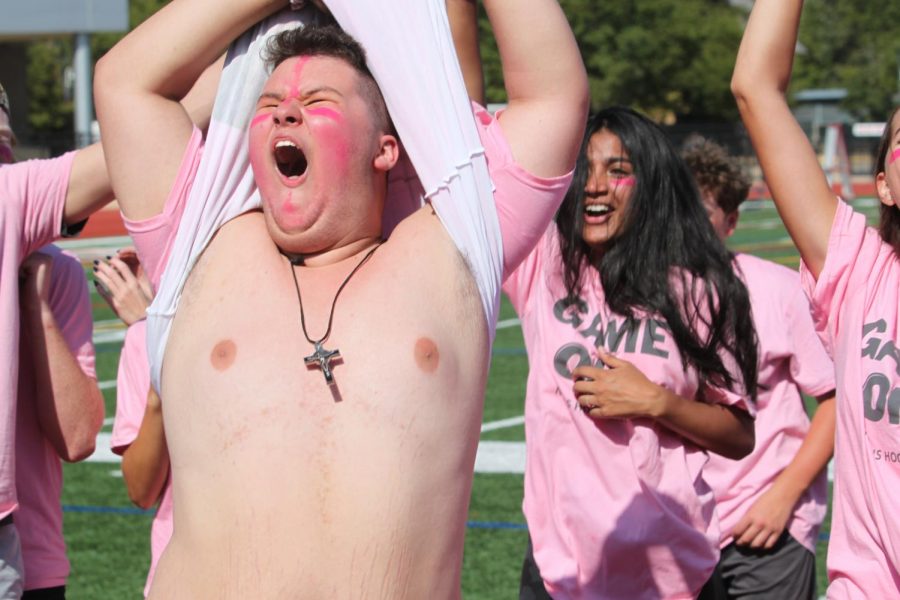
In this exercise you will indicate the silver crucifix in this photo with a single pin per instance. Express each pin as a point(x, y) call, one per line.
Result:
point(322, 358)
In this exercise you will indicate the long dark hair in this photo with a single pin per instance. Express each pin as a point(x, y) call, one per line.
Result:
point(666, 259)
point(889, 224)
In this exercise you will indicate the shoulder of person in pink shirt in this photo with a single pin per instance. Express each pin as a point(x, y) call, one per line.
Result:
point(34, 196)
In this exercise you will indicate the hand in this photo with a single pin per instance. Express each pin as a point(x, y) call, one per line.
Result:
point(34, 280)
point(765, 521)
point(619, 391)
point(121, 281)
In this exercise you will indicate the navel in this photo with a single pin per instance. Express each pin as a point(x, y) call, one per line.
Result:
point(427, 355)
point(223, 355)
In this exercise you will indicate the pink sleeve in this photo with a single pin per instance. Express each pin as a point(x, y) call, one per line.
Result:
point(525, 202)
point(34, 194)
point(519, 283)
point(70, 304)
point(153, 237)
point(851, 246)
point(132, 383)
point(811, 367)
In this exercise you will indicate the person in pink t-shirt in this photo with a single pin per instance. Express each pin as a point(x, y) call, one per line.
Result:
point(138, 435)
point(627, 388)
point(770, 504)
point(60, 408)
point(39, 199)
point(851, 273)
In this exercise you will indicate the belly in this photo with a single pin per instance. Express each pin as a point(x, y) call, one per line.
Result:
point(357, 489)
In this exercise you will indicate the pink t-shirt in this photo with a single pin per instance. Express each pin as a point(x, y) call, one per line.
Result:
point(856, 308)
point(132, 385)
point(791, 359)
point(617, 508)
point(38, 468)
point(32, 198)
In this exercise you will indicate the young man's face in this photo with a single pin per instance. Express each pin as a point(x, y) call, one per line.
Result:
point(724, 223)
point(316, 154)
point(7, 140)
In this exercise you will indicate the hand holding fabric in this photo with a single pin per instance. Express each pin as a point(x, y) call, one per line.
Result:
point(765, 521)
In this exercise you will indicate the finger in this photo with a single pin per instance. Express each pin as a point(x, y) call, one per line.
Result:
point(611, 360)
point(102, 289)
point(109, 276)
point(586, 372)
point(748, 535)
point(761, 537)
point(122, 267)
point(772, 540)
point(585, 386)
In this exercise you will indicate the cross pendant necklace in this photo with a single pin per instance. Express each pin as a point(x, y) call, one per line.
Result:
point(321, 356)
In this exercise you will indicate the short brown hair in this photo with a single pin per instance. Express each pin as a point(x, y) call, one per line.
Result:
point(332, 41)
point(889, 224)
point(716, 172)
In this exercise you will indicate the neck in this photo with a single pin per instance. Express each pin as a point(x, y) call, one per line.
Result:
point(334, 255)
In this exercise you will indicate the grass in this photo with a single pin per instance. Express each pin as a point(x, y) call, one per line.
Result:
point(109, 551)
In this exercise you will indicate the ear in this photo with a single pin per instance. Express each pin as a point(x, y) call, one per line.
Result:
point(731, 221)
point(884, 190)
point(388, 153)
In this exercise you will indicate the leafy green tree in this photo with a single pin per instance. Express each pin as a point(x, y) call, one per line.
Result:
point(670, 58)
point(852, 44)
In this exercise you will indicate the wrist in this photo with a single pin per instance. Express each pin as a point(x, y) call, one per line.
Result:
point(662, 403)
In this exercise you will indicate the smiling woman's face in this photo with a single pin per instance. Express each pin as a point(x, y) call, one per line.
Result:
point(608, 190)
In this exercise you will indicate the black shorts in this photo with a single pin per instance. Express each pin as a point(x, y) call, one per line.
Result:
point(787, 571)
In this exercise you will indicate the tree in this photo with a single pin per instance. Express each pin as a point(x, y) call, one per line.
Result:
point(852, 44)
point(670, 58)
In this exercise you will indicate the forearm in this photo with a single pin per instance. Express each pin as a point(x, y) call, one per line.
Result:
point(545, 80)
point(813, 455)
point(69, 404)
point(145, 463)
point(185, 36)
point(721, 429)
point(761, 77)
point(463, 16)
point(766, 54)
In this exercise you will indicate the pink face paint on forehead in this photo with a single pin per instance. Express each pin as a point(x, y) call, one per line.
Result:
point(294, 91)
point(894, 156)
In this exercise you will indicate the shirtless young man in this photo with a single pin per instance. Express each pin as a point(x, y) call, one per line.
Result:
point(284, 485)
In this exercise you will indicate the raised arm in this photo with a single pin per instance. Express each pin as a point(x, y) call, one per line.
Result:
point(139, 85)
point(463, 15)
point(546, 84)
point(790, 165)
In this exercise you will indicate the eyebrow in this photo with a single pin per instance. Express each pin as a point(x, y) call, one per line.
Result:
point(280, 97)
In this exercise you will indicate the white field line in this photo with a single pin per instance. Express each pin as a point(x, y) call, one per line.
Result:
point(107, 385)
point(506, 323)
point(502, 424)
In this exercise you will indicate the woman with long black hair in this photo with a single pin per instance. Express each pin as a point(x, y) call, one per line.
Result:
point(642, 357)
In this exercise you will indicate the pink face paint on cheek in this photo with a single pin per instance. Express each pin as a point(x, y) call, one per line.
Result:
point(894, 156)
point(260, 119)
point(326, 113)
point(624, 182)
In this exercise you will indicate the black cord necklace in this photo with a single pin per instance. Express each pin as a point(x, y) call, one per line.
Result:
point(321, 357)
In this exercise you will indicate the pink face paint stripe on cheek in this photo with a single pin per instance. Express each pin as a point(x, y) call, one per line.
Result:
point(259, 119)
point(624, 182)
point(894, 156)
point(325, 112)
